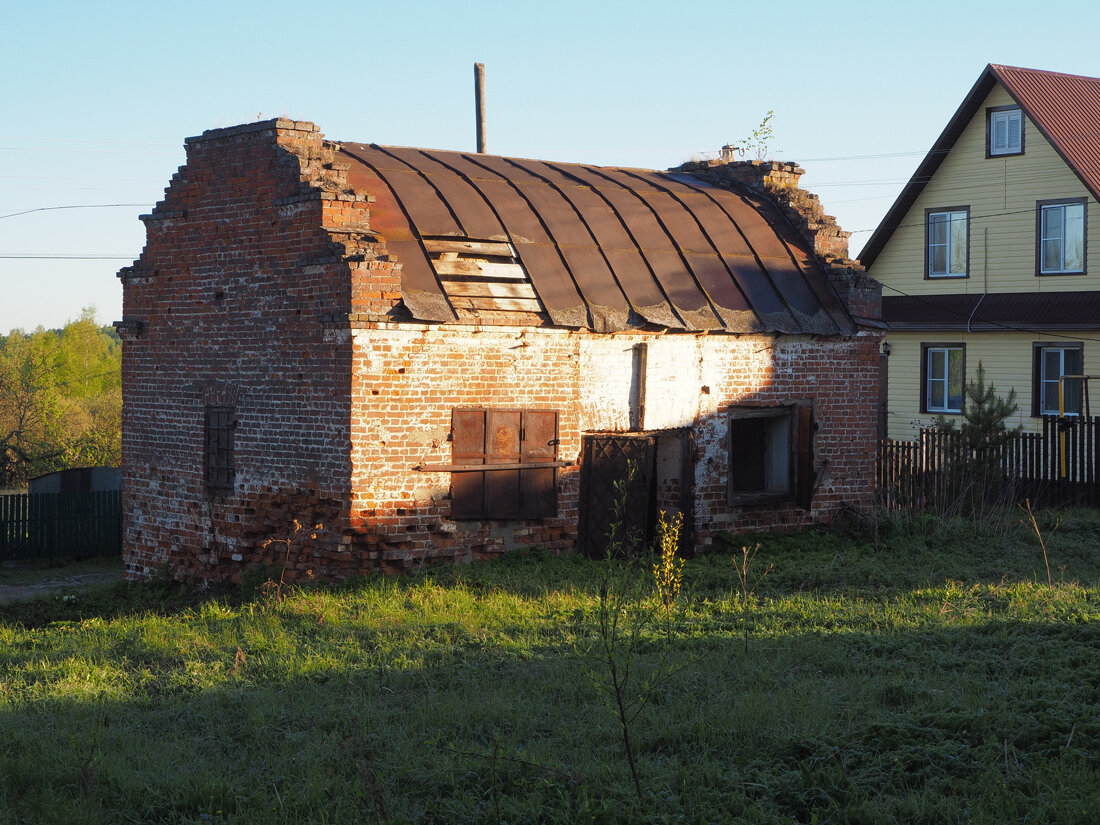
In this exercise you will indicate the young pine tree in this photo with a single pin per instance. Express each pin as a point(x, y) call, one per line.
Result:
point(973, 472)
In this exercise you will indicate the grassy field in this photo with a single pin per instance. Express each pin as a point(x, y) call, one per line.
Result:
point(921, 673)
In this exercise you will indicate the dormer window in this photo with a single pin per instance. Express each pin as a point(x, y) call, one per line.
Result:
point(1006, 131)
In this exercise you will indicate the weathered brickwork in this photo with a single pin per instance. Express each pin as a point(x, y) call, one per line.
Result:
point(408, 379)
point(262, 289)
point(231, 303)
point(779, 180)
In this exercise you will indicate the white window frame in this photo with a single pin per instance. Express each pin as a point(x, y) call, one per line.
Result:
point(944, 381)
point(1047, 236)
point(1053, 380)
point(1012, 121)
point(956, 221)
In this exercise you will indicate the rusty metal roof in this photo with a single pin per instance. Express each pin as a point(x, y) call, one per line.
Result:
point(1065, 108)
point(589, 247)
point(1006, 311)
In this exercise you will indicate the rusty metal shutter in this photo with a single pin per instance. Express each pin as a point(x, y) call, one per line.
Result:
point(468, 447)
point(804, 458)
point(540, 444)
point(220, 463)
point(502, 487)
point(508, 437)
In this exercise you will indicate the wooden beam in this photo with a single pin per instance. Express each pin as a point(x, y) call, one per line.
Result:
point(485, 269)
point(501, 249)
point(483, 289)
point(498, 304)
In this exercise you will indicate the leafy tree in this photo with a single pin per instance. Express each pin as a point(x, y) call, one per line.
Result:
point(60, 399)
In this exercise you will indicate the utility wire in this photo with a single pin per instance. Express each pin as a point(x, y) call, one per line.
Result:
point(74, 206)
point(15, 256)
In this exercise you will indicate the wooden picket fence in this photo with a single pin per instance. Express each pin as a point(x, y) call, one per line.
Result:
point(60, 525)
point(1057, 467)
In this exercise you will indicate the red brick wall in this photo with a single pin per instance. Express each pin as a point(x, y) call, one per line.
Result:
point(408, 378)
point(242, 298)
point(230, 303)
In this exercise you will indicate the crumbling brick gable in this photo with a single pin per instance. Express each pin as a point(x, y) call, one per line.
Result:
point(237, 289)
point(860, 294)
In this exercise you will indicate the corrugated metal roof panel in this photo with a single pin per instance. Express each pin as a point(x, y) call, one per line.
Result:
point(534, 246)
point(627, 264)
point(1067, 109)
point(606, 303)
point(721, 227)
point(670, 271)
point(470, 209)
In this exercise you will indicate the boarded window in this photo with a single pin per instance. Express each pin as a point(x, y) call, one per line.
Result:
point(770, 454)
point(512, 439)
point(220, 469)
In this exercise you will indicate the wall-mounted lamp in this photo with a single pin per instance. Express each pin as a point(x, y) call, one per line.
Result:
point(886, 348)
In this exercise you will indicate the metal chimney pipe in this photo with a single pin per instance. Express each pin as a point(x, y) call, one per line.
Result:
point(479, 102)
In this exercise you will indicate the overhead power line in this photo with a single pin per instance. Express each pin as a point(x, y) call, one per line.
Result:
point(76, 206)
point(16, 256)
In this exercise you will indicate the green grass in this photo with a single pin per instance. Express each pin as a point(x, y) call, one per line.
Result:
point(928, 675)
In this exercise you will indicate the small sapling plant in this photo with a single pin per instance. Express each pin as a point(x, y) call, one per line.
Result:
point(624, 615)
point(272, 589)
point(668, 571)
point(1026, 507)
point(743, 566)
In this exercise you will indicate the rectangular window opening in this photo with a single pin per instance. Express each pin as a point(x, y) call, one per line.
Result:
point(220, 471)
point(770, 455)
point(948, 247)
point(1054, 363)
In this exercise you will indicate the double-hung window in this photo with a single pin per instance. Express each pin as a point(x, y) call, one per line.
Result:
point(1061, 233)
point(947, 242)
point(1053, 364)
point(944, 371)
point(1005, 126)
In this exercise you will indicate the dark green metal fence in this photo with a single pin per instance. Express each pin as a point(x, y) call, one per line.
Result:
point(60, 525)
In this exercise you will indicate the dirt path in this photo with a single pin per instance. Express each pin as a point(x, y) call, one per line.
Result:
point(55, 581)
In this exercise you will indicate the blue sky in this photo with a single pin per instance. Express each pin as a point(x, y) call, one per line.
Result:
point(98, 98)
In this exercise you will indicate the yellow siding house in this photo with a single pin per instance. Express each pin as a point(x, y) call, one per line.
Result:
point(991, 255)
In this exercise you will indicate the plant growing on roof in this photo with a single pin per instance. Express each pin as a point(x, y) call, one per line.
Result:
point(757, 143)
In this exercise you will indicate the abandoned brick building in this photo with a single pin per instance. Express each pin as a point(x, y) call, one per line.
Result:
point(440, 356)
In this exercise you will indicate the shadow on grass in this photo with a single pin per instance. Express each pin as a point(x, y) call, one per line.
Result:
point(995, 721)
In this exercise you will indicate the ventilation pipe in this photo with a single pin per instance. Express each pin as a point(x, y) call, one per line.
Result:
point(479, 103)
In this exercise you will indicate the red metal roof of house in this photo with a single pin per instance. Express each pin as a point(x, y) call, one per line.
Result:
point(1065, 108)
point(590, 247)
